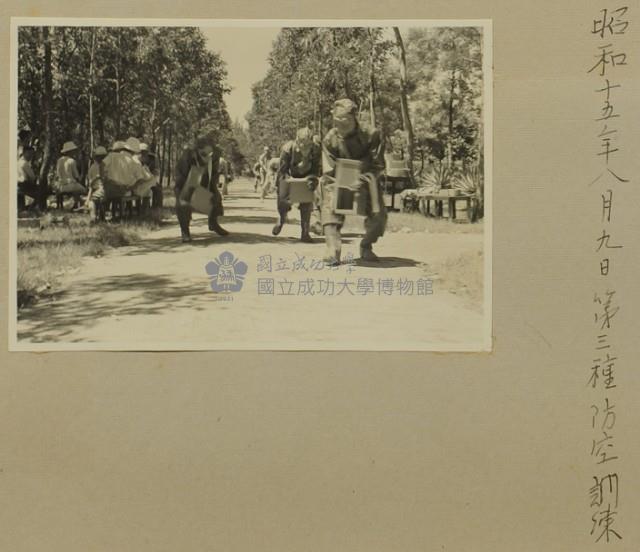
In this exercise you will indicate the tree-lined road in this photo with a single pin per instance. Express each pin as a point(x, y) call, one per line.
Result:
point(156, 294)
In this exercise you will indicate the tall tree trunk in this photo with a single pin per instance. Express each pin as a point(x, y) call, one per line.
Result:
point(117, 71)
point(163, 155)
point(82, 164)
point(169, 148)
point(372, 102)
point(347, 85)
point(100, 125)
point(451, 117)
point(46, 108)
point(404, 103)
point(372, 81)
point(152, 121)
point(91, 67)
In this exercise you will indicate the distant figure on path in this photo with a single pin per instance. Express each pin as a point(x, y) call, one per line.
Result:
point(263, 163)
point(225, 176)
point(272, 174)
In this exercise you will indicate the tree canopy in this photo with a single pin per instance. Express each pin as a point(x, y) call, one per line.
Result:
point(422, 87)
point(159, 84)
point(437, 70)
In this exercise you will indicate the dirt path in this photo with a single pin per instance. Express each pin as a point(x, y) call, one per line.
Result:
point(156, 294)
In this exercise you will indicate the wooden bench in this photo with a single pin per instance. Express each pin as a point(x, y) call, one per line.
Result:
point(439, 200)
point(126, 206)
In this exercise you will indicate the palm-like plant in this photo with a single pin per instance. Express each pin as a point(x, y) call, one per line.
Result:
point(471, 183)
point(438, 178)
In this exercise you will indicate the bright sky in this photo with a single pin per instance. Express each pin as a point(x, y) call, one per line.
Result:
point(245, 51)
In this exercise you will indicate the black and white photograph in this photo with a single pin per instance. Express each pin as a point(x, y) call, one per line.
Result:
point(250, 185)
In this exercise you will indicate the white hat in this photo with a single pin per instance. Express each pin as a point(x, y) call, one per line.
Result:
point(132, 144)
point(68, 147)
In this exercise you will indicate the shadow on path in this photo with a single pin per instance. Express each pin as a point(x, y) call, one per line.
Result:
point(248, 219)
point(172, 243)
point(389, 262)
point(114, 296)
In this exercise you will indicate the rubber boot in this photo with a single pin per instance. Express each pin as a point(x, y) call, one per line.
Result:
point(305, 237)
point(367, 254)
point(305, 223)
point(185, 233)
point(184, 218)
point(277, 228)
point(214, 226)
point(334, 245)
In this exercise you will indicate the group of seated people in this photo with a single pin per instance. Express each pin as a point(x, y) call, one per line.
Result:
point(127, 171)
point(126, 175)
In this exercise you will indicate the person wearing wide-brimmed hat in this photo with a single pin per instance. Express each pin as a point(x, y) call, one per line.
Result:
point(132, 145)
point(95, 183)
point(125, 176)
point(67, 175)
point(348, 140)
point(142, 188)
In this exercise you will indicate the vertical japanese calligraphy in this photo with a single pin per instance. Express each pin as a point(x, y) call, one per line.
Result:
point(606, 70)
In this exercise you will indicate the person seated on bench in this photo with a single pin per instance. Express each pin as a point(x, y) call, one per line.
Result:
point(148, 160)
point(27, 181)
point(142, 189)
point(95, 181)
point(68, 175)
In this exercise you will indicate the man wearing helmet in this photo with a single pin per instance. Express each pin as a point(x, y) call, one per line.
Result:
point(348, 140)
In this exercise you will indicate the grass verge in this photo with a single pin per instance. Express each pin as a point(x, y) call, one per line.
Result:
point(417, 222)
point(45, 254)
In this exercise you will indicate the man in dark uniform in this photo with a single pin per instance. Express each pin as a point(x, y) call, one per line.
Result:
point(348, 140)
point(206, 155)
point(300, 158)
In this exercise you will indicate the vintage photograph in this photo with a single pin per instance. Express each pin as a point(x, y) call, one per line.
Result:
point(251, 185)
